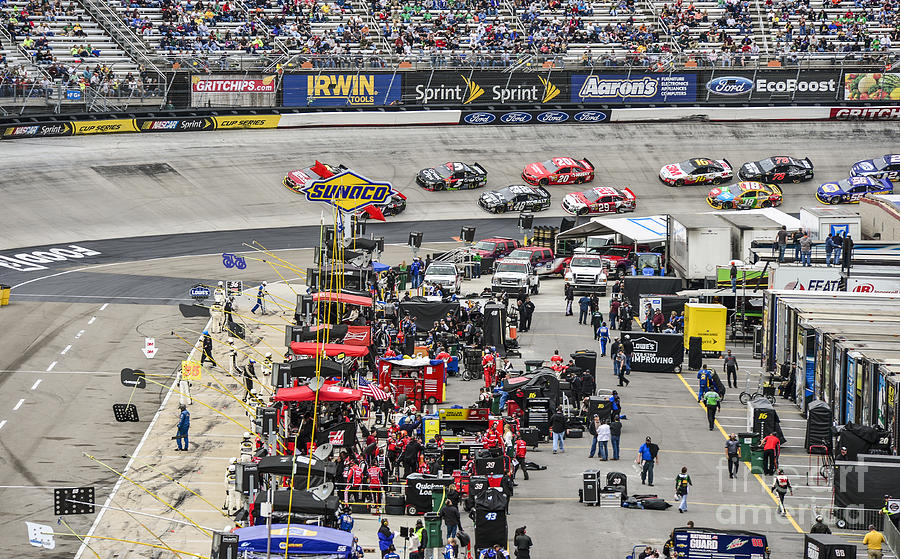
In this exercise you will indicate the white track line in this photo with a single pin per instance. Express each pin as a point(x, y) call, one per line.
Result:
point(50, 368)
point(2, 423)
point(19, 405)
point(78, 335)
point(31, 372)
point(91, 321)
point(66, 350)
point(103, 308)
point(36, 383)
point(134, 455)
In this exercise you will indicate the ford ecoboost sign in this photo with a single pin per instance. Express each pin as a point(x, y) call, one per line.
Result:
point(730, 85)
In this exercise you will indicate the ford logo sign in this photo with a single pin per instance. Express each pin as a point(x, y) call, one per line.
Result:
point(515, 118)
point(553, 116)
point(730, 85)
point(479, 118)
point(590, 116)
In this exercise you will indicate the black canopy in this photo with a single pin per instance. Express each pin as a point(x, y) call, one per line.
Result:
point(302, 502)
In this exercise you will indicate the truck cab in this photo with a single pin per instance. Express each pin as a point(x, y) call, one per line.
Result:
point(515, 275)
point(587, 273)
point(444, 274)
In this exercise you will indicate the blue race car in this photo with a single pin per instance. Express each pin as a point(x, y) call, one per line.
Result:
point(849, 191)
point(884, 167)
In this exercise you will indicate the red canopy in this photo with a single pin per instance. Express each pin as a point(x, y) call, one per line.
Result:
point(312, 348)
point(358, 300)
point(328, 393)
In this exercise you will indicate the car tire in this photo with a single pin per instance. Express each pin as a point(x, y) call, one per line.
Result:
point(438, 187)
point(834, 200)
point(796, 180)
point(620, 210)
point(543, 182)
point(766, 204)
point(717, 180)
point(727, 205)
point(582, 211)
point(679, 182)
point(501, 209)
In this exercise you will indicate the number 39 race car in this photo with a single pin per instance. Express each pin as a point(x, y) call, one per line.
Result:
point(777, 169)
point(559, 170)
point(516, 197)
point(849, 191)
point(452, 176)
point(745, 196)
point(297, 179)
point(601, 199)
point(694, 171)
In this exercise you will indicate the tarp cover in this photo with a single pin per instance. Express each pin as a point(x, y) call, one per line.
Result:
point(281, 465)
point(426, 313)
point(302, 503)
point(864, 484)
point(342, 298)
point(312, 348)
point(818, 424)
point(306, 368)
point(328, 393)
point(635, 286)
point(303, 540)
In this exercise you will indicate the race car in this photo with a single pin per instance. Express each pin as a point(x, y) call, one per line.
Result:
point(600, 199)
point(515, 198)
point(296, 180)
point(395, 204)
point(745, 196)
point(777, 169)
point(884, 167)
point(849, 191)
point(559, 170)
point(452, 176)
point(694, 171)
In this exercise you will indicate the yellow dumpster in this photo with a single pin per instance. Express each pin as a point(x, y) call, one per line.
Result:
point(708, 322)
point(4, 295)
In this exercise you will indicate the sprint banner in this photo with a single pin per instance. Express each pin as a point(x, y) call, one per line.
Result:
point(470, 87)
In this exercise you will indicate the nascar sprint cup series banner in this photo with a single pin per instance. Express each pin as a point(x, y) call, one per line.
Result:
point(342, 89)
point(656, 353)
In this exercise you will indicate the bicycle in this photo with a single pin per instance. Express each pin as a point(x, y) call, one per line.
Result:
point(746, 396)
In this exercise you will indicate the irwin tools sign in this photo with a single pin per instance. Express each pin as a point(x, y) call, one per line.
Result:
point(656, 353)
point(478, 88)
point(342, 90)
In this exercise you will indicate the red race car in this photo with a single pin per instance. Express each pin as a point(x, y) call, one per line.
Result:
point(559, 170)
point(600, 199)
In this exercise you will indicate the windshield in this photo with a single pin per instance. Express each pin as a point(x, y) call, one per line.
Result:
point(485, 246)
point(880, 162)
point(766, 165)
point(591, 195)
point(550, 166)
point(440, 271)
point(648, 260)
point(443, 171)
point(621, 252)
point(522, 254)
point(687, 166)
point(516, 268)
point(587, 262)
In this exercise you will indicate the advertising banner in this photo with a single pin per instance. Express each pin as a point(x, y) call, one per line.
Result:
point(342, 89)
point(865, 113)
point(103, 126)
point(175, 124)
point(633, 88)
point(873, 284)
point(220, 90)
point(805, 278)
point(246, 121)
point(704, 543)
point(39, 130)
point(475, 88)
point(656, 353)
point(871, 86)
point(723, 86)
point(535, 117)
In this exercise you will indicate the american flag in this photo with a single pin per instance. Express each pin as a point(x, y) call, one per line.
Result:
point(372, 390)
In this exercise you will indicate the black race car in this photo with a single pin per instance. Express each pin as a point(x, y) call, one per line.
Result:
point(515, 198)
point(395, 205)
point(452, 176)
point(777, 169)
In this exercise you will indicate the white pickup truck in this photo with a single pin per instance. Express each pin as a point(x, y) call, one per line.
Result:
point(515, 275)
point(444, 274)
point(587, 274)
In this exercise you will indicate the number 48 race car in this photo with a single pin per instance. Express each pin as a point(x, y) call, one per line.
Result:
point(516, 197)
point(694, 171)
point(601, 199)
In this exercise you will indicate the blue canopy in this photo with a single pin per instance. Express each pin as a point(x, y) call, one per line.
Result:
point(379, 267)
point(305, 540)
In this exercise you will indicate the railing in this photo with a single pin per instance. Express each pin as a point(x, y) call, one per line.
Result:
point(121, 33)
point(892, 537)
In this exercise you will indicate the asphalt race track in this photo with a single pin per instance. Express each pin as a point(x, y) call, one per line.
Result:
point(147, 204)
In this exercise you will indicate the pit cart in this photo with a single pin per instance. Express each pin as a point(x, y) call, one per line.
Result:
point(420, 380)
point(419, 491)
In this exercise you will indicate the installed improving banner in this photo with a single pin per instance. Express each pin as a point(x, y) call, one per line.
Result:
point(656, 353)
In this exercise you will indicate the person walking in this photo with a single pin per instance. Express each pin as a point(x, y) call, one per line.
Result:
point(731, 368)
point(682, 482)
point(703, 382)
point(771, 444)
point(596, 322)
point(519, 462)
point(584, 308)
point(733, 275)
point(712, 399)
point(523, 544)
point(603, 336)
point(648, 457)
point(207, 349)
point(781, 486)
point(614, 305)
point(558, 428)
point(593, 428)
point(621, 368)
point(820, 527)
point(570, 296)
point(615, 435)
point(260, 299)
point(873, 541)
point(184, 425)
point(603, 436)
point(527, 314)
point(733, 455)
point(805, 244)
point(628, 348)
point(451, 517)
point(781, 242)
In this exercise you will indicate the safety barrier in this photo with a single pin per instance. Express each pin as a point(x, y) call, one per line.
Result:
point(892, 537)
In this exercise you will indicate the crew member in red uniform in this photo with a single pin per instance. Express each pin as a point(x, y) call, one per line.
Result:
point(375, 482)
point(557, 358)
point(489, 365)
point(521, 450)
point(490, 439)
point(354, 483)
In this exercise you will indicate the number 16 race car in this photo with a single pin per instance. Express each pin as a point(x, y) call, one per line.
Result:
point(600, 199)
point(695, 171)
point(559, 170)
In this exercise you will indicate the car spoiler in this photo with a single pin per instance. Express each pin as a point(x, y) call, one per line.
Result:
point(776, 189)
point(588, 161)
point(808, 161)
point(477, 166)
point(628, 193)
point(730, 166)
point(544, 191)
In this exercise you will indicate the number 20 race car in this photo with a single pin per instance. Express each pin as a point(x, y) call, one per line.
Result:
point(559, 170)
point(849, 191)
point(601, 199)
point(695, 171)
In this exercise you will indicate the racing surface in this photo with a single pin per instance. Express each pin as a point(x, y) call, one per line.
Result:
point(74, 330)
